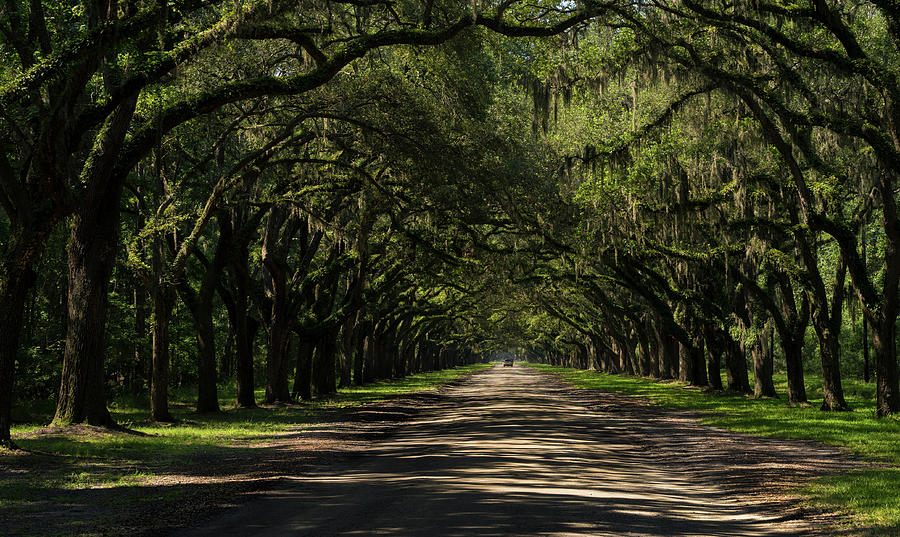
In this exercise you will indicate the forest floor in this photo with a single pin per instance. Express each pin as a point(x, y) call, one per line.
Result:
point(149, 478)
point(512, 451)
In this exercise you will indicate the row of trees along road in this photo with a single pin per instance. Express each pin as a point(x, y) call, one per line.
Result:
point(734, 168)
point(350, 190)
point(240, 150)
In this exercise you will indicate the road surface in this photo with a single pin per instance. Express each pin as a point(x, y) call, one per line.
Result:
point(508, 452)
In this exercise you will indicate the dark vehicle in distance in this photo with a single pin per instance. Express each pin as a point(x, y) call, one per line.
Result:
point(508, 362)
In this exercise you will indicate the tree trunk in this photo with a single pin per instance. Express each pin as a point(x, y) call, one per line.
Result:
point(245, 328)
point(92, 248)
point(398, 369)
point(303, 373)
point(626, 360)
point(200, 304)
point(763, 367)
point(791, 324)
point(887, 401)
point(865, 343)
point(362, 344)
point(276, 357)
point(698, 362)
point(163, 302)
point(281, 227)
point(685, 364)
point(652, 348)
point(865, 320)
point(644, 356)
point(594, 352)
point(324, 380)
point(736, 374)
point(884, 327)
point(714, 357)
point(417, 357)
point(409, 357)
point(17, 279)
point(832, 387)
point(348, 345)
point(139, 371)
point(827, 324)
point(369, 367)
point(201, 308)
point(91, 256)
point(668, 357)
point(793, 357)
point(207, 389)
point(139, 374)
point(226, 369)
point(382, 358)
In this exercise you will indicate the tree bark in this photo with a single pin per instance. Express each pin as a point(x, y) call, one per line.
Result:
point(281, 226)
point(92, 251)
point(668, 357)
point(828, 331)
point(163, 302)
point(791, 324)
point(685, 363)
point(594, 353)
point(887, 388)
point(653, 351)
point(245, 327)
point(362, 345)
point(714, 353)
point(303, 372)
point(202, 313)
point(276, 357)
point(737, 377)
point(793, 357)
point(324, 366)
point(698, 362)
point(226, 369)
point(763, 367)
point(348, 346)
point(371, 349)
point(18, 278)
point(887, 401)
point(200, 304)
point(865, 320)
point(138, 374)
point(92, 248)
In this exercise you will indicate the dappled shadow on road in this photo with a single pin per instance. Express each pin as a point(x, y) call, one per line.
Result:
point(510, 454)
point(120, 486)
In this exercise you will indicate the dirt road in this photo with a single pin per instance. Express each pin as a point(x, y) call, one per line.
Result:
point(511, 452)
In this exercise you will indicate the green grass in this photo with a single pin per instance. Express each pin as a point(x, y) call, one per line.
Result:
point(71, 462)
point(870, 497)
point(192, 430)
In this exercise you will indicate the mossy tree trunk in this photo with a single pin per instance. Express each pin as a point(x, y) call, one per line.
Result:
point(714, 351)
point(737, 377)
point(92, 248)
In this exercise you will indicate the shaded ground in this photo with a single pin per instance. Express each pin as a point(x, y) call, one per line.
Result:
point(514, 452)
point(153, 497)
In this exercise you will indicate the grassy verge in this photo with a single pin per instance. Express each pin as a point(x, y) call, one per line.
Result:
point(870, 497)
point(63, 465)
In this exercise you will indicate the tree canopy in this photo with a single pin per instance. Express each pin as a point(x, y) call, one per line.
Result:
point(308, 195)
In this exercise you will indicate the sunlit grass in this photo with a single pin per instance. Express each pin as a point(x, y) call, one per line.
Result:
point(871, 497)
